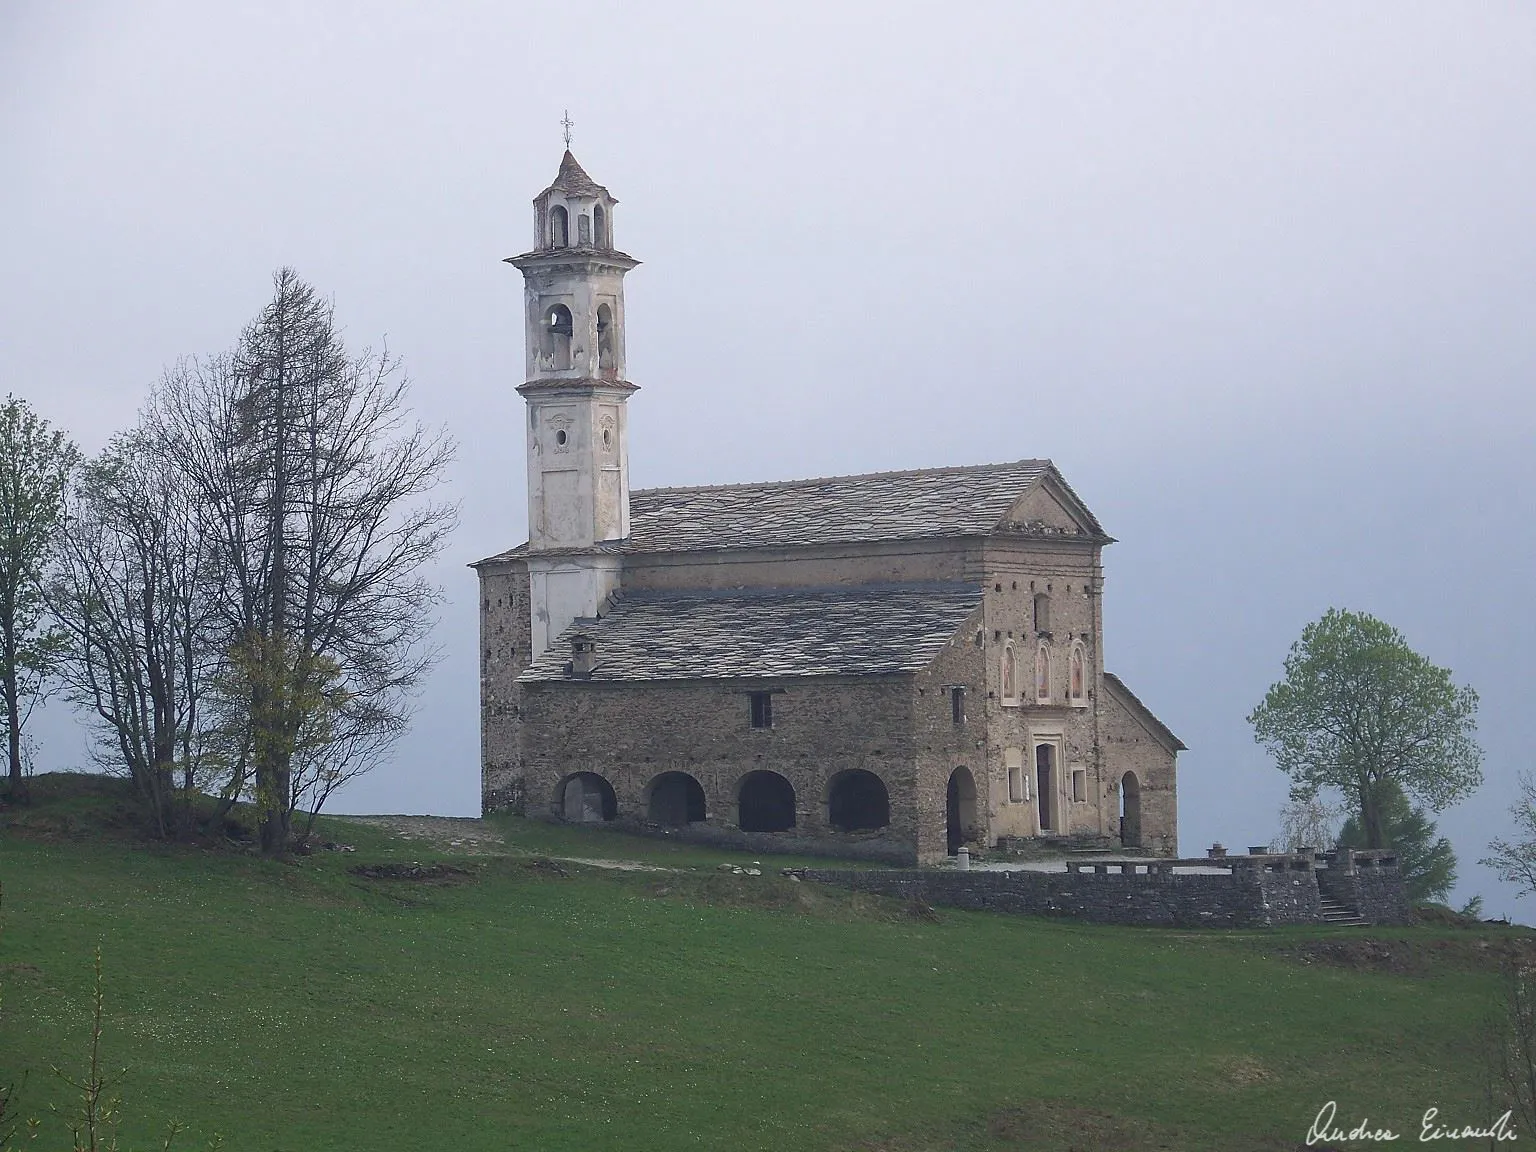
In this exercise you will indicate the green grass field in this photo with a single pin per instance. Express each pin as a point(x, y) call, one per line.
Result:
point(299, 1007)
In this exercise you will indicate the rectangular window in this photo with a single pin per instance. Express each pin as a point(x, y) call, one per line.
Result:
point(1013, 760)
point(1079, 784)
point(762, 709)
point(957, 704)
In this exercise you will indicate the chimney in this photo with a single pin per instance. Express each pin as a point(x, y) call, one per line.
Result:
point(583, 656)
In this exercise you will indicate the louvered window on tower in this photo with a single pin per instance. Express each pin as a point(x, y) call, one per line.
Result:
point(957, 704)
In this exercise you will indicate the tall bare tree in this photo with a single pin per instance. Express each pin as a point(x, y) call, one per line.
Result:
point(35, 462)
point(314, 495)
point(131, 592)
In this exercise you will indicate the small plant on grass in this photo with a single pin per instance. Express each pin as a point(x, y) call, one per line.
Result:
point(1512, 1045)
point(93, 1124)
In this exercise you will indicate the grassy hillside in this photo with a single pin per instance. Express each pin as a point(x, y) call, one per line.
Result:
point(512, 1003)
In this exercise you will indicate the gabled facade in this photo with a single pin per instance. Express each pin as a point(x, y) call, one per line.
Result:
point(886, 665)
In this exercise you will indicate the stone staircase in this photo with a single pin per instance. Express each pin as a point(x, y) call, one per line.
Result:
point(1341, 915)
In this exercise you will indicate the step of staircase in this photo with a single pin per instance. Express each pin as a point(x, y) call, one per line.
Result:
point(1341, 915)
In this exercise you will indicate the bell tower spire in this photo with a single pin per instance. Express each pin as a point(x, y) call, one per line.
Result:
point(577, 394)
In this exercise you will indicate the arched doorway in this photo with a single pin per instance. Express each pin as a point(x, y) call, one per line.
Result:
point(765, 803)
point(857, 801)
point(587, 798)
point(1130, 811)
point(676, 799)
point(959, 809)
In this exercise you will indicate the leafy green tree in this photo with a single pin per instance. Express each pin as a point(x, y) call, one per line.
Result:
point(35, 463)
point(1425, 861)
point(1358, 707)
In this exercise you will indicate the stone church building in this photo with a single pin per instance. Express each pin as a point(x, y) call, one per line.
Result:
point(888, 666)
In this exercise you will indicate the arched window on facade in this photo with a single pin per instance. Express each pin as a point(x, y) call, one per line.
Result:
point(600, 226)
point(606, 360)
point(557, 338)
point(1043, 674)
point(1010, 673)
point(1042, 613)
point(1077, 674)
point(559, 227)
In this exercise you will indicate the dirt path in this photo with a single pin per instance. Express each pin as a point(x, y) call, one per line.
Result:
point(472, 837)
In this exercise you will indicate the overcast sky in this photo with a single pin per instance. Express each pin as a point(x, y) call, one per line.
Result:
point(1260, 279)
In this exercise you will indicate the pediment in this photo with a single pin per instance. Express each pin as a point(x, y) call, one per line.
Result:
point(1050, 508)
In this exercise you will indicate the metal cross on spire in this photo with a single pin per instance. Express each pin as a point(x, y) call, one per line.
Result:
point(567, 123)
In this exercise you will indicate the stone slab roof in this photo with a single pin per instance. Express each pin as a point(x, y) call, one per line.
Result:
point(935, 502)
point(573, 180)
point(865, 631)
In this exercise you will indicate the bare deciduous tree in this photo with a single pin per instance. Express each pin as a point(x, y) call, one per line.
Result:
point(1515, 860)
point(1310, 822)
point(313, 493)
point(131, 592)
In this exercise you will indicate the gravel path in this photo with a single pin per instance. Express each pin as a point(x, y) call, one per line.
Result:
point(457, 833)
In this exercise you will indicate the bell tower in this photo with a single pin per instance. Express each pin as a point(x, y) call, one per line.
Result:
point(574, 383)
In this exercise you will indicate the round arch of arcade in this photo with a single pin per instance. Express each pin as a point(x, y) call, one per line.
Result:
point(585, 798)
point(765, 802)
point(675, 799)
point(857, 800)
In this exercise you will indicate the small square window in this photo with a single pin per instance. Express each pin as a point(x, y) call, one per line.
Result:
point(957, 704)
point(1079, 785)
point(762, 709)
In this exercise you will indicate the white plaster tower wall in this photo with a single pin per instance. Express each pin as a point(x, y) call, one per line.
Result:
point(577, 396)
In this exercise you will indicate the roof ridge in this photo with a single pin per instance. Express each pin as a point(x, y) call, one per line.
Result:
point(793, 591)
point(953, 470)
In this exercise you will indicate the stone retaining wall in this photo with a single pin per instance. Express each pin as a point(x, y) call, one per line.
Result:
point(1242, 898)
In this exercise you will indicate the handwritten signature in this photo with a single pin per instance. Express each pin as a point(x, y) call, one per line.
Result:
point(1326, 1127)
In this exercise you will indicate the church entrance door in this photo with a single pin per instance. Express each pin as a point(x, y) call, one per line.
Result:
point(1045, 785)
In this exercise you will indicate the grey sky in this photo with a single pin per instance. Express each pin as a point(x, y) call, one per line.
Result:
point(1259, 278)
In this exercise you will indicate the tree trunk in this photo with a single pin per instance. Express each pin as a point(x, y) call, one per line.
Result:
point(17, 788)
point(1370, 816)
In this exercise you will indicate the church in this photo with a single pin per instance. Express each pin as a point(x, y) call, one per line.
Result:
point(887, 666)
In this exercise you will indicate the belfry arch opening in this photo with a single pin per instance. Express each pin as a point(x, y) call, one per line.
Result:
point(600, 226)
point(586, 798)
point(606, 360)
point(857, 801)
point(765, 803)
point(676, 799)
point(1130, 811)
point(960, 824)
point(559, 227)
point(557, 331)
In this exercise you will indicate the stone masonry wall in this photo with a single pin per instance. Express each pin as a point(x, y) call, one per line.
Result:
point(1360, 882)
point(1129, 747)
point(506, 647)
point(1241, 900)
point(631, 733)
